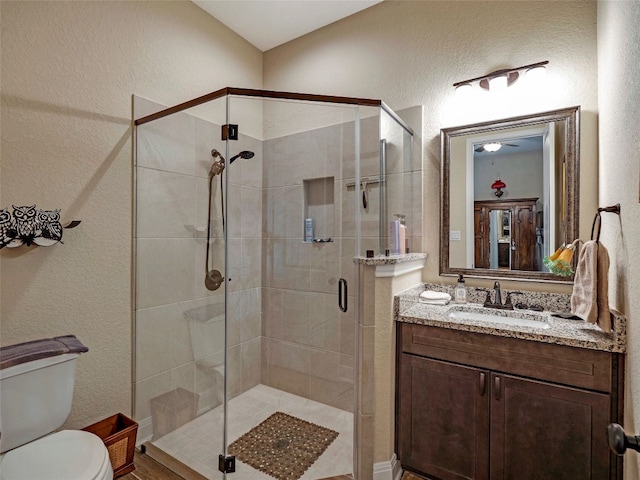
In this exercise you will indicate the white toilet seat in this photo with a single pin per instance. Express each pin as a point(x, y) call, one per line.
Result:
point(65, 455)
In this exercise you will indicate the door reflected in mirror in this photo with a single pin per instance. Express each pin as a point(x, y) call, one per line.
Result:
point(500, 241)
point(510, 192)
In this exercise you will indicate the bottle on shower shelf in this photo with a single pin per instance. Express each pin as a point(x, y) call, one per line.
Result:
point(308, 230)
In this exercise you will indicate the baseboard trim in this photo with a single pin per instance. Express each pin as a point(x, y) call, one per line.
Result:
point(390, 470)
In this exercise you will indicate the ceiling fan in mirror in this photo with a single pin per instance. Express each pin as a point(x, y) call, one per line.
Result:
point(493, 146)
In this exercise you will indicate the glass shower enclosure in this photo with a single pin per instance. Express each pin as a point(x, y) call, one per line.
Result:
point(250, 208)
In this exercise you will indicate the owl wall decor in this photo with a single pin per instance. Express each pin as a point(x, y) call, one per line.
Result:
point(27, 225)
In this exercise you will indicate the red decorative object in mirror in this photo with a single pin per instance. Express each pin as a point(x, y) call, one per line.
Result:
point(498, 185)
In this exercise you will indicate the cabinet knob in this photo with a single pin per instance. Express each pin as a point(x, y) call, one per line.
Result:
point(620, 441)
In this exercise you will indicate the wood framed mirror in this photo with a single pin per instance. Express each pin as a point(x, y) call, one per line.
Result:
point(510, 192)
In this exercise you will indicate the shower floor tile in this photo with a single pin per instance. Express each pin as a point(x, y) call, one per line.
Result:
point(199, 442)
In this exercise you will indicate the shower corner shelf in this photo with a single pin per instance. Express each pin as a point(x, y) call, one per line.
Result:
point(320, 240)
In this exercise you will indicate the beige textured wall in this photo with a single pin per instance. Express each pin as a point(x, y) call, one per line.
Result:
point(619, 150)
point(68, 72)
point(410, 53)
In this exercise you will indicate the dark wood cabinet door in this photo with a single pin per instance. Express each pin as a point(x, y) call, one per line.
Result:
point(541, 431)
point(481, 237)
point(523, 231)
point(443, 428)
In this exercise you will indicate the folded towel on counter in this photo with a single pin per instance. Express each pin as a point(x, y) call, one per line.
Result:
point(434, 302)
point(590, 296)
point(433, 295)
point(435, 298)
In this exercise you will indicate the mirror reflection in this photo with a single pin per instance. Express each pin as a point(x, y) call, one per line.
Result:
point(509, 194)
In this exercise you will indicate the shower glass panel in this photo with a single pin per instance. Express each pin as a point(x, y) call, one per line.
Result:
point(179, 324)
point(250, 210)
point(292, 237)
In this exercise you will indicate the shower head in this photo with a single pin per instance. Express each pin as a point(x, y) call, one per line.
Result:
point(215, 153)
point(244, 154)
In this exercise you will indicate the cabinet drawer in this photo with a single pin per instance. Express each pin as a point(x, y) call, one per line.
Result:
point(572, 366)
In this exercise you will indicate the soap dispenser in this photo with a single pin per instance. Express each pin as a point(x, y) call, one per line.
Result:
point(460, 293)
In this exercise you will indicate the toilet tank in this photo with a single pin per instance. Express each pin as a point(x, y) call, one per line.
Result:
point(36, 393)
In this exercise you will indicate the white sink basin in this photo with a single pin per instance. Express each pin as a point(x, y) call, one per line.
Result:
point(509, 317)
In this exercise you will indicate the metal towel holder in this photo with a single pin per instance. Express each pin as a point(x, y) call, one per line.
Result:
point(596, 219)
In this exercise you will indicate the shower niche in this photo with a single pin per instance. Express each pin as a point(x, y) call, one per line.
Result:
point(319, 206)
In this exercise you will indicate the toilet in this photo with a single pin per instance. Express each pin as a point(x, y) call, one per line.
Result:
point(36, 390)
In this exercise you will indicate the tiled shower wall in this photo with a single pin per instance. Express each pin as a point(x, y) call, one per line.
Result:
point(308, 343)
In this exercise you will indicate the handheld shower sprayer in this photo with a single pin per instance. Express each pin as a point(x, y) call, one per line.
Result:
point(213, 278)
point(217, 167)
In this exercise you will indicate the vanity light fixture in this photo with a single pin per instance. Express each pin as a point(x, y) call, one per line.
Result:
point(501, 79)
point(498, 185)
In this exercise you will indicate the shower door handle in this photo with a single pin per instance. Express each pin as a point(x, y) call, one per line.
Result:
point(342, 294)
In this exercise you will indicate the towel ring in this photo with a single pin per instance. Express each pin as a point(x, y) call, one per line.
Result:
point(612, 209)
point(597, 219)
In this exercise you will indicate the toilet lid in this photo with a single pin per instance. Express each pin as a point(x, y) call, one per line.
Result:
point(68, 455)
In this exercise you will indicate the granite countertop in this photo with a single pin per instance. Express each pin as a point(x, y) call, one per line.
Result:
point(574, 333)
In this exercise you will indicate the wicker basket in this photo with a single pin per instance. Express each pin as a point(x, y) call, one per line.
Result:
point(118, 433)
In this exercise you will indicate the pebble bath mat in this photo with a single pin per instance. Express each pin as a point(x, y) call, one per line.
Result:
point(283, 446)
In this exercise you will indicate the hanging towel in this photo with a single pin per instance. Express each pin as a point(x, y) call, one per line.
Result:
point(590, 297)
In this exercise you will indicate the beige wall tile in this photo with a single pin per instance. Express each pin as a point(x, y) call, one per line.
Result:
point(149, 388)
point(251, 357)
point(168, 144)
point(163, 341)
point(161, 259)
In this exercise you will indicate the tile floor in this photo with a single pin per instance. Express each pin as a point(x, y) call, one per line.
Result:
point(199, 442)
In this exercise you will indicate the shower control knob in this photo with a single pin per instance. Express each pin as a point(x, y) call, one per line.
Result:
point(213, 280)
point(619, 441)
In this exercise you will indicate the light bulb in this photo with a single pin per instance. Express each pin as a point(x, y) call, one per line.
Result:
point(463, 90)
point(498, 84)
point(536, 74)
point(492, 147)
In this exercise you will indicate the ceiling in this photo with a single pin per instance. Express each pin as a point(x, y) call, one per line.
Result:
point(269, 23)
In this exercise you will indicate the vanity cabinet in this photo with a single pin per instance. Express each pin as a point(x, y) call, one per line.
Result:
point(478, 406)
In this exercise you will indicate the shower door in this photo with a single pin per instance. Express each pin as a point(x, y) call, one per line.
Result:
point(293, 228)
